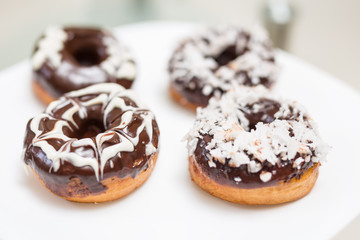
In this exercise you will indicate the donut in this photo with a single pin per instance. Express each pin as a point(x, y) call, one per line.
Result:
point(211, 62)
point(96, 144)
point(251, 147)
point(70, 58)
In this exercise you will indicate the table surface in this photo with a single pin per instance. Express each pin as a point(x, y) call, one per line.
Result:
point(169, 203)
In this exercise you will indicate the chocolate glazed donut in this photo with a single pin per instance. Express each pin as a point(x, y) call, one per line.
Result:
point(212, 62)
point(250, 147)
point(71, 58)
point(93, 145)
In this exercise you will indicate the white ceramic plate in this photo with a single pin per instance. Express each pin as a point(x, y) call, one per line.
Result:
point(169, 205)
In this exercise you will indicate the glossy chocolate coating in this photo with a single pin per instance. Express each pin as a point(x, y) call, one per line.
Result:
point(81, 57)
point(224, 174)
point(124, 164)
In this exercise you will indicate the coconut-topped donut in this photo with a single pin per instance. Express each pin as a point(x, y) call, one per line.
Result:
point(93, 145)
point(213, 61)
point(71, 58)
point(251, 147)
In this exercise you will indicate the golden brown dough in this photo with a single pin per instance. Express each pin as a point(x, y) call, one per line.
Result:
point(181, 100)
point(281, 193)
point(117, 188)
point(41, 93)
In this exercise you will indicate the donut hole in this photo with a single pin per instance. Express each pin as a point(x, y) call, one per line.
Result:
point(226, 56)
point(87, 56)
point(265, 113)
point(89, 128)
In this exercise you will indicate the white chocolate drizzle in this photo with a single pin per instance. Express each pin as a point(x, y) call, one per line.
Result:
point(275, 142)
point(119, 63)
point(111, 96)
point(49, 48)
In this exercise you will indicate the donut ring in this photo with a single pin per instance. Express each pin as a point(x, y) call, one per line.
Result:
point(217, 59)
point(96, 144)
point(252, 148)
point(71, 58)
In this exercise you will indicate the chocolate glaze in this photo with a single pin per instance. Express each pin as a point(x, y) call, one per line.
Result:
point(224, 174)
point(81, 56)
point(126, 164)
point(195, 95)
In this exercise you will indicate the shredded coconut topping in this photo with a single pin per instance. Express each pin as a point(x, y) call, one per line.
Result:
point(290, 135)
point(195, 58)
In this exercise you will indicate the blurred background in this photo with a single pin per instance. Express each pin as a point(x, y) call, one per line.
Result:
point(325, 33)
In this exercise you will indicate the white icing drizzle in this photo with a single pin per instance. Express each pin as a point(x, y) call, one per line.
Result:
point(49, 48)
point(110, 96)
point(120, 62)
point(231, 139)
point(196, 59)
